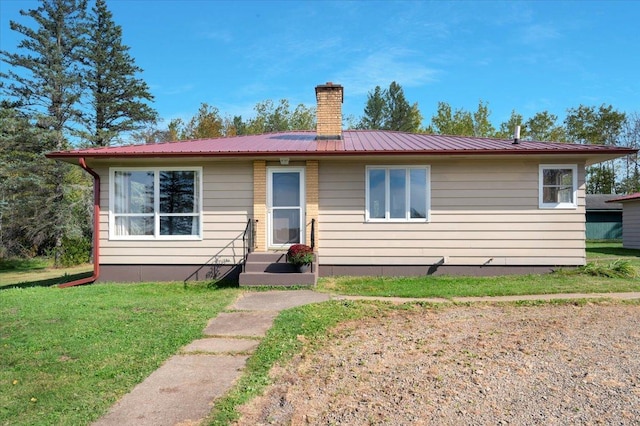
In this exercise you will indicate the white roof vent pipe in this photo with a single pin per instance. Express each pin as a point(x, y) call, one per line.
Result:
point(516, 135)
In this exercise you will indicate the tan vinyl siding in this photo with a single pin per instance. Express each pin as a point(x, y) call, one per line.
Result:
point(631, 224)
point(227, 203)
point(482, 212)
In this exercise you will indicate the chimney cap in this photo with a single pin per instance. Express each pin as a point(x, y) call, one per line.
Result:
point(330, 86)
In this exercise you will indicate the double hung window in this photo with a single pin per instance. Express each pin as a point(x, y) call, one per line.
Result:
point(150, 203)
point(397, 193)
point(558, 186)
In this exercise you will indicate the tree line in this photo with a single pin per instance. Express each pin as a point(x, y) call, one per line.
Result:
point(73, 83)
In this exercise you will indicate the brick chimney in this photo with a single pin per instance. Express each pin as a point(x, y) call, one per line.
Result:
point(329, 112)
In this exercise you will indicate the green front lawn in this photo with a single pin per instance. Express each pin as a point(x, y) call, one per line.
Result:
point(66, 355)
point(600, 253)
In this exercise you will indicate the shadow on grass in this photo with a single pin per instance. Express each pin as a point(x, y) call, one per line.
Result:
point(615, 251)
point(220, 284)
point(49, 281)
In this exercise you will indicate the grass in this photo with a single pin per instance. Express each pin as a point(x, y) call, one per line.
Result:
point(605, 251)
point(67, 355)
point(38, 272)
point(449, 287)
point(601, 275)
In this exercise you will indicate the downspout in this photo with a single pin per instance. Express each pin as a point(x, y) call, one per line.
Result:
point(96, 229)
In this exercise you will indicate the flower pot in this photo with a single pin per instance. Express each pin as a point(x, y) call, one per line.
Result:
point(303, 268)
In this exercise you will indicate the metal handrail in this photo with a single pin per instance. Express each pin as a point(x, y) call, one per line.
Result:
point(248, 237)
point(247, 242)
point(313, 234)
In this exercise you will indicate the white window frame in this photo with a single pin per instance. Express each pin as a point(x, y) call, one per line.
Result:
point(407, 217)
point(156, 204)
point(574, 203)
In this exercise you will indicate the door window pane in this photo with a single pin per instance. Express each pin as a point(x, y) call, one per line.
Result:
point(286, 189)
point(286, 226)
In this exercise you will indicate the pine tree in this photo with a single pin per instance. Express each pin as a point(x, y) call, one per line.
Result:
point(44, 82)
point(374, 111)
point(118, 97)
point(389, 110)
point(50, 84)
point(397, 109)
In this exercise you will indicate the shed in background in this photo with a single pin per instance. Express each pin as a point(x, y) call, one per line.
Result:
point(630, 219)
point(603, 217)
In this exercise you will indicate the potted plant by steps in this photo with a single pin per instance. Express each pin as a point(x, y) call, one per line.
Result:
point(300, 255)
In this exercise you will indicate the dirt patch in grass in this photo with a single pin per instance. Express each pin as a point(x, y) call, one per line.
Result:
point(481, 364)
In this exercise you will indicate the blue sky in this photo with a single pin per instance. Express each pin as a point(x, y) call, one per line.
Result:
point(527, 56)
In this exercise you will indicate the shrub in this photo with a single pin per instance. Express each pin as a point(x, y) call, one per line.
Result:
point(617, 269)
point(300, 254)
point(75, 251)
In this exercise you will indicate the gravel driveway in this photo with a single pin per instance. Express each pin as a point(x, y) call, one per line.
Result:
point(471, 365)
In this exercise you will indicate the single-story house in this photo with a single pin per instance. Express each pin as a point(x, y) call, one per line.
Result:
point(370, 202)
point(604, 218)
point(630, 219)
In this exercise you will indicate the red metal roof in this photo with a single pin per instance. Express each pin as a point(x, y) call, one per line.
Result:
point(354, 142)
point(624, 198)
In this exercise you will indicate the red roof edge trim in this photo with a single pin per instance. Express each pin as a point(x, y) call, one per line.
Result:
point(98, 154)
point(630, 197)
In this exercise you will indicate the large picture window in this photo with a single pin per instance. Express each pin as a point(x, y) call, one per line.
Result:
point(558, 186)
point(397, 193)
point(155, 203)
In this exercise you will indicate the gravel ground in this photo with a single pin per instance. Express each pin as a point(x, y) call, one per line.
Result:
point(473, 365)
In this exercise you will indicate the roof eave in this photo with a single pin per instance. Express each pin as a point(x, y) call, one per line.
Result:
point(592, 157)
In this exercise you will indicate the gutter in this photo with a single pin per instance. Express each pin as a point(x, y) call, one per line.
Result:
point(342, 153)
point(96, 229)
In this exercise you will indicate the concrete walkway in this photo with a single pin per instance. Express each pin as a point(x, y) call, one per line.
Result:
point(182, 391)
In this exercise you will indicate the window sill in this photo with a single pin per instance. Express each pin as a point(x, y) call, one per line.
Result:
point(164, 238)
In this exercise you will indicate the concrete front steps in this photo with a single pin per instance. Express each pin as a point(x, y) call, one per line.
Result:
point(272, 269)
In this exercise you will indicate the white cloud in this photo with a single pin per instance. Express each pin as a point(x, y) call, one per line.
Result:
point(381, 68)
point(173, 90)
point(217, 35)
point(538, 34)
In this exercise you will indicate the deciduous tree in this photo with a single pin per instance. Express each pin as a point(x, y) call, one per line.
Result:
point(630, 137)
point(482, 126)
point(596, 126)
point(543, 127)
point(448, 122)
point(507, 128)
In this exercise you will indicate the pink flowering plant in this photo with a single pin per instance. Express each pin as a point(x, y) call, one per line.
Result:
point(300, 254)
